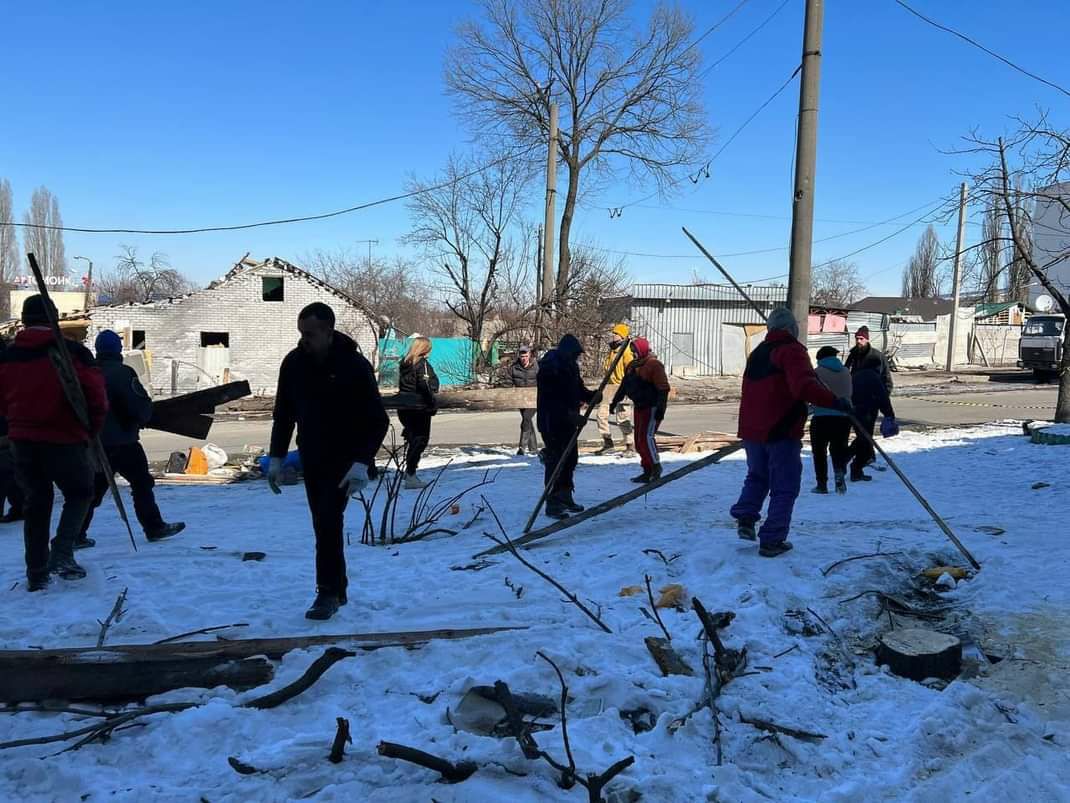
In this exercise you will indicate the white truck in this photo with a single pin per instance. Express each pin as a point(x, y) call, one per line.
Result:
point(1041, 346)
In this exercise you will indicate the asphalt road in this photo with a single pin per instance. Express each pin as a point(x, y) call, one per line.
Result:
point(915, 407)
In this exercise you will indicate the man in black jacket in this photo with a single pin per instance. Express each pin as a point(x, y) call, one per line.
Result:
point(327, 389)
point(863, 355)
point(129, 409)
point(523, 374)
point(560, 393)
point(869, 397)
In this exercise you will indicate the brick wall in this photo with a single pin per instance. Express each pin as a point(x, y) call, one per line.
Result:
point(261, 332)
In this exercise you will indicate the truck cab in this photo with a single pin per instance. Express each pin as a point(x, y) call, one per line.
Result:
point(1041, 346)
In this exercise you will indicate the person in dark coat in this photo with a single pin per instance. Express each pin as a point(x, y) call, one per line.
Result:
point(522, 374)
point(417, 376)
point(863, 355)
point(870, 397)
point(560, 393)
point(777, 385)
point(49, 442)
point(129, 409)
point(327, 389)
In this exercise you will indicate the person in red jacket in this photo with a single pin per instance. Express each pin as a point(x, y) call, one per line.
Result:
point(49, 444)
point(778, 383)
point(646, 384)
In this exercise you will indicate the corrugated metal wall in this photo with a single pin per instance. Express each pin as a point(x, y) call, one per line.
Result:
point(683, 322)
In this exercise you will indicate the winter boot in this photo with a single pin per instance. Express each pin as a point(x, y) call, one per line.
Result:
point(745, 530)
point(324, 607)
point(165, 530)
point(37, 582)
point(774, 550)
point(858, 476)
point(570, 504)
point(821, 488)
point(414, 483)
point(607, 445)
point(84, 542)
point(841, 483)
point(66, 567)
point(555, 508)
point(642, 478)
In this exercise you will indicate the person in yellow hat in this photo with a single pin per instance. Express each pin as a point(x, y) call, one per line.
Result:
point(622, 415)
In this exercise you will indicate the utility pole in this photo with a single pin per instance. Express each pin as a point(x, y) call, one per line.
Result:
point(802, 210)
point(88, 284)
point(370, 244)
point(549, 284)
point(957, 280)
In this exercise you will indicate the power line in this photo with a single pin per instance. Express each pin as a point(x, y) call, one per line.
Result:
point(282, 221)
point(979, 46)
point(717, 24)
point(744, 40)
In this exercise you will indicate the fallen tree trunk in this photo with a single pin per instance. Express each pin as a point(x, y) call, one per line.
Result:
point(615, 502)
point(485, 399)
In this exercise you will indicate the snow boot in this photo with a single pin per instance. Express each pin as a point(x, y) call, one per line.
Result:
point(555, 508)
point(821, 488)
point(66, 567)
point(841, 484)
point(38, 582)
point(570, 504)
point(649, 476)
point(607, 445)
point(414, 483)
point(858, 476)
point(746, 531)
point(774, 550)
point(165, 530)
point(642, 478)
point(84, 542)
point(324, 607)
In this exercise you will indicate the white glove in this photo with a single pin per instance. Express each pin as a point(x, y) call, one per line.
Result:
point(273, 473)
point(355, 479)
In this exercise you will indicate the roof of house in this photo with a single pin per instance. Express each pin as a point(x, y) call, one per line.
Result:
point(927, 309)
point(987, 310)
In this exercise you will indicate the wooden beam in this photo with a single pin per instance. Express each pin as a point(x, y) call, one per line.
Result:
point(484, 399)
point(203, 401)
point(616, 501)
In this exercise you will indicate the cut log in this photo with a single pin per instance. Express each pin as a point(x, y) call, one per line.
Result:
point(615, 502)
point(667, 659)
point(106, 676)
point(919, 654)
point(485, 399)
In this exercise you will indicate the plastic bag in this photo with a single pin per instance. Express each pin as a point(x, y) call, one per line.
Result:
point(215, 456)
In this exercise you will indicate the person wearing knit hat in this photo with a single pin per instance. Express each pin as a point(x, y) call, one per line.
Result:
point(35, 311)
point(863, 355)
point(646, 384)
point(830, 428)
point(129, 409)
point(618, 337)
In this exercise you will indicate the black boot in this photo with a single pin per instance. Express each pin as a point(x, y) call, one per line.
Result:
point(555, 507)
point(774, 550)
point(607, 444)
point(822, 487)
point(324, 607)
point(858, 476)
point(570, 504)
point(841, 483)
point(745, 530)
point(66, 567)
point(37, 582)
point(642, 478)
point(165, 530)
point(84, 542)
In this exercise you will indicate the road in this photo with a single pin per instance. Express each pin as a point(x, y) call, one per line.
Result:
point(915, 407)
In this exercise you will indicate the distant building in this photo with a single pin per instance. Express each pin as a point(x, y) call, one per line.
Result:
point(914, 331)
point(239, 327)
point(66, 301)
point(1051, 242)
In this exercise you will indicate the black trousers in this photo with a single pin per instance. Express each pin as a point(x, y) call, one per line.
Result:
point(830, 434)
point(417, 434)
point(128, 460)
point(37, 467)
point(861, 448)
point(9, 488)
point(327, 503)
point(529, 441)
point(557, 445)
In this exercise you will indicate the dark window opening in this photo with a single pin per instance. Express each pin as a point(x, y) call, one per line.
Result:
point(137, 338)
point(215, 339)
point(271, 288)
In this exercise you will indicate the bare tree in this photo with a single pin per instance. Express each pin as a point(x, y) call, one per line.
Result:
point(1024, 170)
point(392, 292)
point(921, 277)
point(135, 281)
point(836, 284)
point(43, 236)
point(462, 222)
point(1018, 273)
point(629, 99)
point(991, 254)
point(9, 249)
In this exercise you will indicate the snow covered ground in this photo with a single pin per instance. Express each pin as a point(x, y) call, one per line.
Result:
point(1001, 733)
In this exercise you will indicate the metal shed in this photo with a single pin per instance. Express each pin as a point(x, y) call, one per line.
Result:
point(683, 322)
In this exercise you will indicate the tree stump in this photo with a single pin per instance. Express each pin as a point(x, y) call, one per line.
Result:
point(918, 654)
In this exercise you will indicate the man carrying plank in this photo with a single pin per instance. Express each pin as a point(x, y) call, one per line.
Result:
point(50, 446)
point(129, 409)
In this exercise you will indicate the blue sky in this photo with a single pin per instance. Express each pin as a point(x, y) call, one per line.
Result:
point(153, 115)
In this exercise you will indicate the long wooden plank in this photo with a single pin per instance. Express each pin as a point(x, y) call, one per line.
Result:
point(202, 401)
point(244, 648)
point(616, 501)
point(189, 425)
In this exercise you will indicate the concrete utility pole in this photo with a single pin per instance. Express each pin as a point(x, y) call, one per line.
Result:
point(957, 280)
point(549, 283)
point(88, 284)
point(802, 211)
point(370, 244)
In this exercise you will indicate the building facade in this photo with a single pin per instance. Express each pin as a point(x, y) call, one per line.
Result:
point(1051, 244)
point(239, 327)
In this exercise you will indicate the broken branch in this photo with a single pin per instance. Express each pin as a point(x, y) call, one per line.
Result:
point(115, 616)
point(202, 631)
point(330, 657)
point(831, 566)
point(450, 772)
point(653, 607)
point(341, 739)
point(772, 727)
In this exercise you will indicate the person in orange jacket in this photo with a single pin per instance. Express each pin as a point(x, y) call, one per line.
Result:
point(646, 384)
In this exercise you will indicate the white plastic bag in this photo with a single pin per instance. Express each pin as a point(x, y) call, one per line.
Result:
point(215, 456)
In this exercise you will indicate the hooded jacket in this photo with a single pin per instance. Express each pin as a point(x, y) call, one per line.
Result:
point(335, 406)
point(560, 387)
point(835, 377)
point(129, 405)
point(778, 383)
point(645, 382)
point(622, 331)
point(31, 395)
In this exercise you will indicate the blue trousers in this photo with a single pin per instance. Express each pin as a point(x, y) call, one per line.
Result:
point(773, 470)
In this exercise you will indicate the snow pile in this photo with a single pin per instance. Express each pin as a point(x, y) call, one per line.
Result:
point(999, 727)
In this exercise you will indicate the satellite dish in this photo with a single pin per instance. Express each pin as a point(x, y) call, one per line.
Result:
point(1045, 303)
